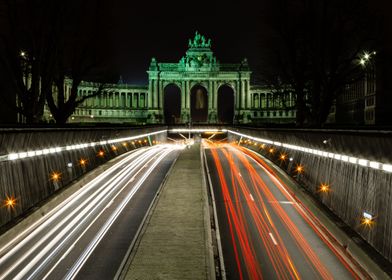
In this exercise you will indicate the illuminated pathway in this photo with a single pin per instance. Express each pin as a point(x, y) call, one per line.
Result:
point(87, 236)
point(265, 233)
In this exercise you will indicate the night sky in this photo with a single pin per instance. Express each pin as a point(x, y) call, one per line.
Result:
point(142, 30)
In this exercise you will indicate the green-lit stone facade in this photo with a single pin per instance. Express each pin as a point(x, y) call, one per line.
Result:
point(197, 73)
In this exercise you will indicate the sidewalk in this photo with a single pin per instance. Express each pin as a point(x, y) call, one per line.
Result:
point(172, 244)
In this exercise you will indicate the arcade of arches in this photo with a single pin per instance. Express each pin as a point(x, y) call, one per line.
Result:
point(197, 88)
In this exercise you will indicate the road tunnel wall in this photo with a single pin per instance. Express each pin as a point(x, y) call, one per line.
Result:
point(29, 179)
point(354, 188)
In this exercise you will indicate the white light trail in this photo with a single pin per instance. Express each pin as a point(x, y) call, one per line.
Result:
point(94, 243)
point(78, 215)
point(53, 150)
point(346, 158)
point(273, 239)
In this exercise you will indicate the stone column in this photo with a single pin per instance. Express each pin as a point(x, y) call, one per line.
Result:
point(215, 90)
point(188, 95)
point(247, 93)
point(149, 94)
point(210, 96)
point(155, 94)
point(236, 99)
point(160, 95)
point(183, 93)
point(243, 97)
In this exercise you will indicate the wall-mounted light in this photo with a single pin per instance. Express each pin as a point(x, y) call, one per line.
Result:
point(299, 168)
point(283, 157)
point(367, 219)
point(55, 176)
point(101, 153)
point(324, 188)
point(10, 202)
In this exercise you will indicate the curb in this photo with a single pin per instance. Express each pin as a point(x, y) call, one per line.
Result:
point(221, 265)
point(210, 261)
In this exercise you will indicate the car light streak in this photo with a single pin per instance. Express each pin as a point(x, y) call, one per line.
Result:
point(278, 257)
point(263, 210)
point(273, 239)
point(94, 243)
point(22, 238)
point(307, 215)
point(82, 214)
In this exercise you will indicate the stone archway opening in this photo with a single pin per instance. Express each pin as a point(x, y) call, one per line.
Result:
point(172, 104)
point(225, 104)
point(199, 104)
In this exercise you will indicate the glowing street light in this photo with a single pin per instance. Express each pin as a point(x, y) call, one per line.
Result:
point(283, 157)
point(114, 148)
point(366, 56)
point(125, 144)
point(271, 150)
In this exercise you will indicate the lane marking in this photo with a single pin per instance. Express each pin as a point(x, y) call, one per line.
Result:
point(251, 197)
point(282, 202)
point(273, 239)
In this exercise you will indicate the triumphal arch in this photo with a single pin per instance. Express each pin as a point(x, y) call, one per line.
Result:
point(197, 89)
point(199, 79)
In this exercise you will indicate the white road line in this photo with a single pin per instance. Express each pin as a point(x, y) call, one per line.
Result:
point(282, 202)
point(273, 239)
point(251, 197)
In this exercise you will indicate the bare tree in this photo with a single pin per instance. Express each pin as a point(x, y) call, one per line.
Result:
point(77, 57)
point(48, 41)
point(315, 46)
point(26, 56)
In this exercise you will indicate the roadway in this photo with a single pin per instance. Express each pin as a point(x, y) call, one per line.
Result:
point(88, 235)
point(265, 232)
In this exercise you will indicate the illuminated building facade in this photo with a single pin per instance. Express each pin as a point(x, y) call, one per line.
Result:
point(198, 89)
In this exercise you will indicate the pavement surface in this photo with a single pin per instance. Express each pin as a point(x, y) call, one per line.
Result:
point(265, 232)
point(87, 235)
point(173, 242)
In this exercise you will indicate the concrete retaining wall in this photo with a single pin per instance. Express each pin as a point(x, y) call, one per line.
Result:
point(353, 188)
point(29, 179)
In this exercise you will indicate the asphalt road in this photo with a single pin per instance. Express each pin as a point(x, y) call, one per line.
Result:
point(88, 235)
point(265, 233)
